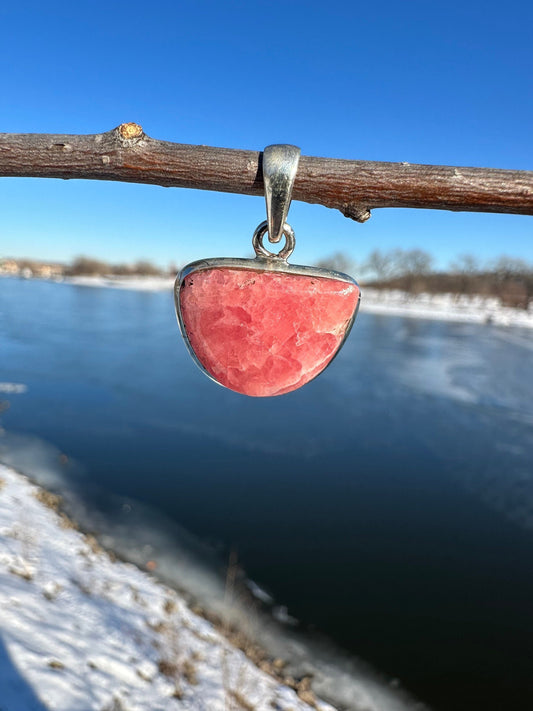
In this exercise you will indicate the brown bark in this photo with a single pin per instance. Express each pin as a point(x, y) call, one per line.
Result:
point(354, 187)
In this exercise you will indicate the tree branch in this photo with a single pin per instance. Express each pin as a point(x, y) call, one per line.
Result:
point(354, 187)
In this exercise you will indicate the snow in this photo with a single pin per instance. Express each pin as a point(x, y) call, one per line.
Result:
point(118, 282)
point(81, 632)
point(444, 307)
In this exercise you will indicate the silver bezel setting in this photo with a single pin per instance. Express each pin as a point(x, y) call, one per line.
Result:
point(264, 264)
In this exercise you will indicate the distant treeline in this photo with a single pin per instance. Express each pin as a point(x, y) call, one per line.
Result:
point(87, 266)
point(83, 266)
point(507, 278)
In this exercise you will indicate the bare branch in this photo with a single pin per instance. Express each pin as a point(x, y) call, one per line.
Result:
point(354, 187)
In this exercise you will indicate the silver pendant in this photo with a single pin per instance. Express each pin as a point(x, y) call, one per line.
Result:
point(262, 326)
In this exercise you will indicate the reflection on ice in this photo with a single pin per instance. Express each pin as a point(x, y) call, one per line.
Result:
point(437, 377)
point(13, 388)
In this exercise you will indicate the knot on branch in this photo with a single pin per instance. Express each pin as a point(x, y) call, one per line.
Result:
point(355, 212)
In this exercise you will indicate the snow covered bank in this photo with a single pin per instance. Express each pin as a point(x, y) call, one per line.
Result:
point(182, 563)
point(444, 307)
point(81, 632)
point(117, 282)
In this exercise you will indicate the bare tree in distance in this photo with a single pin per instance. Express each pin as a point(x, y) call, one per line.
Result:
point(145, 268)
point(398, 263)
point(414, 262)
point(465, 264)
point(514, 281)
point(413, 265)
point(507, 267)
point(381, 265)
point(508, 278)
point(88, 266)
point(466, 267)
point(340, 262)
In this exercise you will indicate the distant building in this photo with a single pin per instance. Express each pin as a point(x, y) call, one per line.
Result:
point(29, 268)
point(48, 271)
point(9, 266)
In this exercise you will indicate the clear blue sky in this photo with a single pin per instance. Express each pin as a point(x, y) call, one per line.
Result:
point(423, 82)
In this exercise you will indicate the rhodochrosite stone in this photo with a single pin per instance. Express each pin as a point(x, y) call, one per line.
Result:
point(265, 333)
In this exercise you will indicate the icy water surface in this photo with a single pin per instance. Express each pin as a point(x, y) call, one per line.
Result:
point(388, 504)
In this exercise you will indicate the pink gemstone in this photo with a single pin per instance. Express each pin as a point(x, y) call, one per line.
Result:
point(265, 333)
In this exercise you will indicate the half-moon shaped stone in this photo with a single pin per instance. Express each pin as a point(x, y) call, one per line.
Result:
point(264, 333)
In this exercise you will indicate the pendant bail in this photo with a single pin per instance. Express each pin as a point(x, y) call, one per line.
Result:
point(280, 163)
